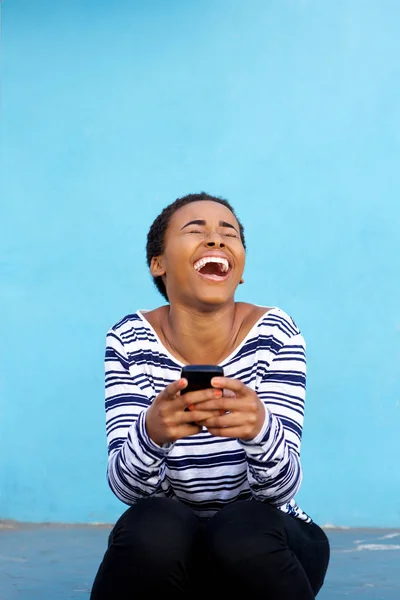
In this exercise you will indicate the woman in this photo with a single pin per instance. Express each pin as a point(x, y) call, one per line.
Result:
point(210, 475)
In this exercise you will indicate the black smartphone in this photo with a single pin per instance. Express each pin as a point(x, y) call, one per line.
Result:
point(199, 376)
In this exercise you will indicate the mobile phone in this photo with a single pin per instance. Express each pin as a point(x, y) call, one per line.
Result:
point(199, 376)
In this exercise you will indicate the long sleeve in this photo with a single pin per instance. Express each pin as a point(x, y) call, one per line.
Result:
point(135, 464)
point(273, 457)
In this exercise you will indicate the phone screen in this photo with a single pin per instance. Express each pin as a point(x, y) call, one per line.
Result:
point(199, 376)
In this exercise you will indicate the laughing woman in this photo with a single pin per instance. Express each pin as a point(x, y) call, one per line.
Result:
point(211, 490)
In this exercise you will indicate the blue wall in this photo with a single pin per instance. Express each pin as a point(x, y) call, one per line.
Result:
point(291, 110)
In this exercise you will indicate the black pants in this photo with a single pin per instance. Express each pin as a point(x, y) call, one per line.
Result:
point(159, 546)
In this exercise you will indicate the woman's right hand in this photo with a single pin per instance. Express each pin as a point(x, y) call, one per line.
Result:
point(168, 418)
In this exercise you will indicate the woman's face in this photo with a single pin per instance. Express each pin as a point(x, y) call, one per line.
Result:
point(204, 258)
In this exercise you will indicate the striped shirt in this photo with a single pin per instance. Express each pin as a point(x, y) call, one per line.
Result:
point(206, 472)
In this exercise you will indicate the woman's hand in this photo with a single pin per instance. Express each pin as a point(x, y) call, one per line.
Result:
point(238, 413)
point(173, 416)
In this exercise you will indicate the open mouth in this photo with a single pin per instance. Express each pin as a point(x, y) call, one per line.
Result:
point(214, 268)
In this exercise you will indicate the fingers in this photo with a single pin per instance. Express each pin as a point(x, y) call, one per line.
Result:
point(198, 416)
point(221, 399)
point(223, 404)
point(173, 389)
point(192, 398)
point(227, 420)
point(232, 425)
point(233, 385)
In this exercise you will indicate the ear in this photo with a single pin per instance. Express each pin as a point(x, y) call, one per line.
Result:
point(157, 268)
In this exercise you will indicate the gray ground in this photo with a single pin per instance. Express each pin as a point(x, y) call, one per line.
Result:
point(59, 562)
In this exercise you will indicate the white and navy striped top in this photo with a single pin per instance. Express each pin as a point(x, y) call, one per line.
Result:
point(202, 471)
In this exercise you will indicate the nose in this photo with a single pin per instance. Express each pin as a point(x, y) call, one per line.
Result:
point(214, 240)
point(213, 244)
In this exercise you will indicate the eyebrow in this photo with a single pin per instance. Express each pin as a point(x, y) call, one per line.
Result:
point(202, 223)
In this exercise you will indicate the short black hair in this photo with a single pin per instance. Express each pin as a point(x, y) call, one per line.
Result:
point(156, 234)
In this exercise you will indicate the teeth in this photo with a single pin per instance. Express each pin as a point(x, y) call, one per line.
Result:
point(209, 259)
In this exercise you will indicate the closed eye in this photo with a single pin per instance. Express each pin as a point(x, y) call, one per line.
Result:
point(232, 235)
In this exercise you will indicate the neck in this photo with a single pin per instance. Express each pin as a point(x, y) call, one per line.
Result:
point(202, 337)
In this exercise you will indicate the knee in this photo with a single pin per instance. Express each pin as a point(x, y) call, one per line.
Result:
point(156, 529)
point(245, 530)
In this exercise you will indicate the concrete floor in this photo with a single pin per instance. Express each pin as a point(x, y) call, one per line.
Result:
point(59, 562)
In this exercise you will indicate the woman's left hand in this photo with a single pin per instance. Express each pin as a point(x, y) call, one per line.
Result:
point(242, 413)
